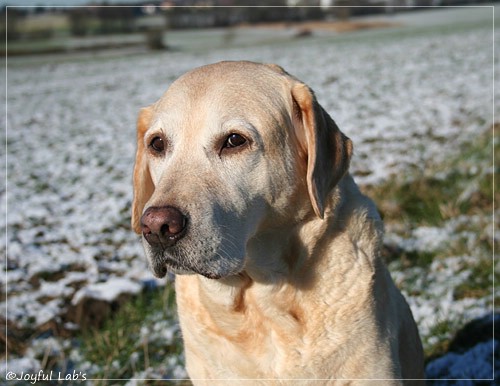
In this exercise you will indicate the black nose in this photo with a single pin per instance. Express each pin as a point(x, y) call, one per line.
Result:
point(163, 226)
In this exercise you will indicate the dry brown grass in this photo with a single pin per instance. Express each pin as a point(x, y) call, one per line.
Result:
point(333, 26)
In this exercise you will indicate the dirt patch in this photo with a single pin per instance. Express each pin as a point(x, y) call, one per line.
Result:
point(333, 26)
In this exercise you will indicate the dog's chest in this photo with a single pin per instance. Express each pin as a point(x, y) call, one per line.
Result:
point(240, 338)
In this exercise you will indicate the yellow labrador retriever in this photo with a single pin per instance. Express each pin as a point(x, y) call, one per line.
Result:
point(241, 189)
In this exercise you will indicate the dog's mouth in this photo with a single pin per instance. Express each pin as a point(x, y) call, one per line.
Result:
point(161, 265)
point(199, 256)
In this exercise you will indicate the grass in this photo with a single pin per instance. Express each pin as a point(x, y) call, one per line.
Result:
point(429, 200)
point(140, 340)
point(440, 337)
point(479, 283)
point(461, 188)
point(133, 340)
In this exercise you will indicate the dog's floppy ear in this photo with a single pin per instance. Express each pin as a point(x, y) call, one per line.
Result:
point(328, 150)
point(143, 184)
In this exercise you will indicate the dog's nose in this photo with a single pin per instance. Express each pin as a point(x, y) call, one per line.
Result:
point(163, 226)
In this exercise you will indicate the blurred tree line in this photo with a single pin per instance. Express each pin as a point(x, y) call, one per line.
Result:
point(260, 12)
point(174, 14)
point(80, 21)
point(102, 20)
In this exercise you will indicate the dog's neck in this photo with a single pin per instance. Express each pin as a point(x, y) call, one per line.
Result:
point(279, 256)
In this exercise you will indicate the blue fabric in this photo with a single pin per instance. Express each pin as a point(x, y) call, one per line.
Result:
point(469, 365)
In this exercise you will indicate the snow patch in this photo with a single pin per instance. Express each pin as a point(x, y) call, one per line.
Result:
point(108, 291)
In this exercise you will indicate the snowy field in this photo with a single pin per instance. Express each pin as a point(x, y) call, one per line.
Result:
point(406, 98)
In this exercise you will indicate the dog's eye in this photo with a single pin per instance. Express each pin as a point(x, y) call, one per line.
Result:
point(234, 140)
point(157, 144)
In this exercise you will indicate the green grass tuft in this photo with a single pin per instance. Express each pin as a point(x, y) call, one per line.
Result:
point(480, 282)
point(134, 340)
point(457, 195)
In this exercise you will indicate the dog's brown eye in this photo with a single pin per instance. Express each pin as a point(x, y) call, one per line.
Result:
point(157, 144)
point(235, 140)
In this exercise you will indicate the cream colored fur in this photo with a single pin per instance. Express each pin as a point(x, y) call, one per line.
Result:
point(279, 277)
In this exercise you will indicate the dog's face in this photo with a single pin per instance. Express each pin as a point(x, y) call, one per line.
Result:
point(230, 148)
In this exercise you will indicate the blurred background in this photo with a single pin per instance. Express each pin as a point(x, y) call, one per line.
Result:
point(72, 25)
point(412, 83)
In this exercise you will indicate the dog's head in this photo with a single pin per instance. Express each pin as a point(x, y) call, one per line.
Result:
point(230, 147)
